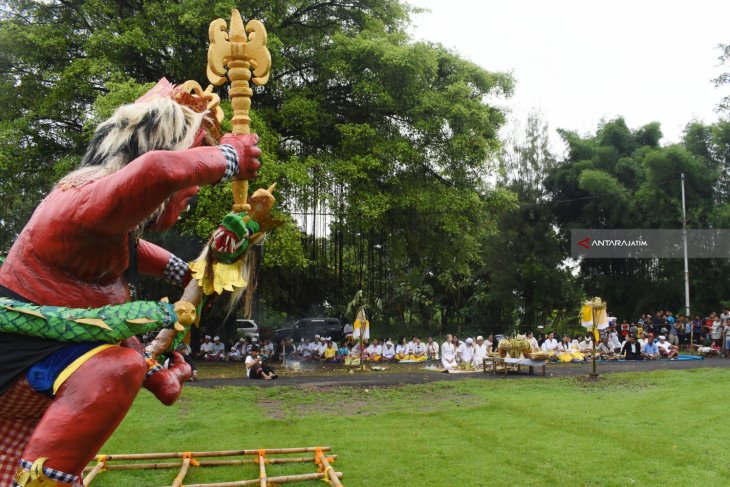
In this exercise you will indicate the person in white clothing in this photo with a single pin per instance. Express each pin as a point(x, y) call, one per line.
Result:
point(401, 350)
point(550, 346)
point(206, 346)
point(585, 345)
point(448, 354)
point(432, 349)
point(313, 346)
point(417, 349)
point(319, 348)
point(304, 350)
point(388, 351)
point(666, 349)
point(530, 338)
point(217, 351)
point(480, 352)
point(613, 340)
point(238, 351)
point(409, 348)
point(465, 352)
point(375, 351)
point(254, 367)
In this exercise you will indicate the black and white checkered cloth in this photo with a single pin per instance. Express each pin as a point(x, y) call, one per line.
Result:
point(53, 474)
point(231, 161)
point(175, 270)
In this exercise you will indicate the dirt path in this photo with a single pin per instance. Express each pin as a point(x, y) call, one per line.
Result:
point(395, 378)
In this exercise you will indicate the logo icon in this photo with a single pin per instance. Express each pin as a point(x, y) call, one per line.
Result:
point(586, 243)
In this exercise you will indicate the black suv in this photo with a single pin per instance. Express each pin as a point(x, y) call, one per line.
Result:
point(308, 327)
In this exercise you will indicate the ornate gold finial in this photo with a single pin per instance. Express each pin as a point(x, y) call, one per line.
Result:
point(240, 53)
point(211, 99)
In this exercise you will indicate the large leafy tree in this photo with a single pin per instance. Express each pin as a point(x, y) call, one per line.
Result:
point(622, 178)
point(523, 278)
point(379, 142)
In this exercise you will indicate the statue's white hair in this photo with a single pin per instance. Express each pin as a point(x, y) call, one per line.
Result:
point(133, 130)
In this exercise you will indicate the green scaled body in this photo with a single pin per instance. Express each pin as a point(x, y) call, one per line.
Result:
point(110, 324)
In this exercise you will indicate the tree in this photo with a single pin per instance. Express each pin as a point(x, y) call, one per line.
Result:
point(381, 142)
point(622, 178)
point(523, 278)
point(724, 78)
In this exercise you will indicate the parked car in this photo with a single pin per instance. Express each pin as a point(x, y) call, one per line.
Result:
point(309, 327)
point(247, 329)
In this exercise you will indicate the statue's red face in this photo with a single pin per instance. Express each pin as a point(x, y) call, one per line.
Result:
point(177, 203)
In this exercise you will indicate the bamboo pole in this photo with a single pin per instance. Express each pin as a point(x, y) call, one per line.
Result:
point(222, 453)
point(262, 469)
point(202, 463)
point(101, 464)
point(183, 471)
point(272, 480)
point(327, 469)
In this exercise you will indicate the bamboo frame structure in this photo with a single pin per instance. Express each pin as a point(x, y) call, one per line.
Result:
point(262, 457)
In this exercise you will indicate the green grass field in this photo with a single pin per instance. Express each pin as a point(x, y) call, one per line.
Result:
point(655, 428)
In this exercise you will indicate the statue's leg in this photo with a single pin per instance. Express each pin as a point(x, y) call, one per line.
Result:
point(86, 410)
point(20, 410)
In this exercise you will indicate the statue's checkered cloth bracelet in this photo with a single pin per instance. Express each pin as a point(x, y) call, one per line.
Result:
point(175, 270)
point(231, 161)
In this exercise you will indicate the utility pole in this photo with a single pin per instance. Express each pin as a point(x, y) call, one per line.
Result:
point(686, 268)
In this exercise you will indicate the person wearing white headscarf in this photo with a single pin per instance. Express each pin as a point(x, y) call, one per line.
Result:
point(480, 352)
point(465, 352)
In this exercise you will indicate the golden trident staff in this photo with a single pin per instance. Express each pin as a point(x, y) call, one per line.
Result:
point(240, 53)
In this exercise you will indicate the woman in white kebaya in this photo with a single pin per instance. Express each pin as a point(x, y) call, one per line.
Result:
point(480, 352)
point(448, 354)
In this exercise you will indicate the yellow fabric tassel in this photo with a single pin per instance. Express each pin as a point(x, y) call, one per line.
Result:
point(226, 277)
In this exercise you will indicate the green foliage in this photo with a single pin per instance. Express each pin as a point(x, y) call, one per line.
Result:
point(621, 178)
point(380, 144)
point(724, 78)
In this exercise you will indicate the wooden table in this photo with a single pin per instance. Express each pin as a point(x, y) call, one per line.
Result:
point(510, 363)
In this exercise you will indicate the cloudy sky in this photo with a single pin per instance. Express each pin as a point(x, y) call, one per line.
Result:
point(578, 62)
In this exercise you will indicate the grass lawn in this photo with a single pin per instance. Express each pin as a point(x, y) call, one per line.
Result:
point(654, 428)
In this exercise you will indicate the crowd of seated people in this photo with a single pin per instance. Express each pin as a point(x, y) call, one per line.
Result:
point(654, 336)
point(647, 347)
point(709, 335)
point(455, 351)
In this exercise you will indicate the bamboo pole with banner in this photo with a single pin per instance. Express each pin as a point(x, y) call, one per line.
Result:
point(240, 55)
point(361, 331)
point(594, 317)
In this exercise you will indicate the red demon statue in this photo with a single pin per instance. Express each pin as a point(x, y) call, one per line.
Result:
point(59, 402)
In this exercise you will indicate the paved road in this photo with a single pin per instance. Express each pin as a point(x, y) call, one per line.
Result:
point(393, 378)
